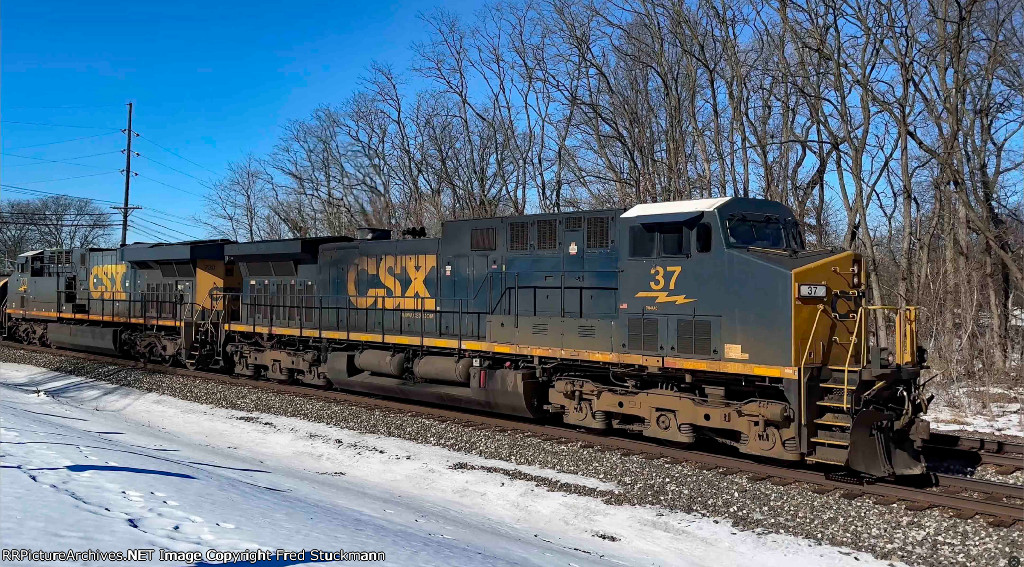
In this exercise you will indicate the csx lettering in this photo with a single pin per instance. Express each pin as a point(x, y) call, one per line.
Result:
point(402, 279)
point(107, 281)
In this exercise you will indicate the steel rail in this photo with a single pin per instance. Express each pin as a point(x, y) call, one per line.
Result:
point(889, 492)
point(990, 451)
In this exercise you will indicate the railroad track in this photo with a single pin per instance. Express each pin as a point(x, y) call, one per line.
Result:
point(1001, 503)
point(1007, 456)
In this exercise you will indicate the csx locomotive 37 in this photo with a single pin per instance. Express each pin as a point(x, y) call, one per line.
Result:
point(674, 321)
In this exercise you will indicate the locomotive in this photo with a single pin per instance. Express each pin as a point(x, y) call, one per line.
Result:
point(674, 321)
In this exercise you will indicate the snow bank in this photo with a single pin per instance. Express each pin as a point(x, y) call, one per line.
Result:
point(89, 465)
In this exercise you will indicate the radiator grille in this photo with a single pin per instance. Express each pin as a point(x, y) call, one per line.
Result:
point(597, 232)
point(635, 334)
point(573, 223)
point(547, 234)
point(539, 329)
point(684, 336)
point(651, 334)
point(702, 337)
point(694, 337)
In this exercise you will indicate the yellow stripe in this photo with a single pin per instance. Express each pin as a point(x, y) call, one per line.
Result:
point(102, 318)
point(732, 367)
point(822, 422)
point(594, 356)
point(825, 441)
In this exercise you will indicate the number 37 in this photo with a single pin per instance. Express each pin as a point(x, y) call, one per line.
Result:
point(659, 276)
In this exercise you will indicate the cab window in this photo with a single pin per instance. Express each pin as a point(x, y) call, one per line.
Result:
point(656, 240)
point(675, 241)
point(703, 238)
point(641, 242)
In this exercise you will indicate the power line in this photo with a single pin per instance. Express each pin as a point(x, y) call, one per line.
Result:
point(62, 141)
point(63, 224)
point(185, 234)
point(156, 233)
point(41, 161)
point(39, 192)
point(62, 107)
point(172, 168)
point(58, 125)
point(136, 228)
point(26, 190)
point(174, 218)
point(172, 152)
point(32, 213)
point(70, 178)
point(170, 186)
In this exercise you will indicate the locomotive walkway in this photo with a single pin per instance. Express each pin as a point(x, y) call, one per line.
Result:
point(1001, 503)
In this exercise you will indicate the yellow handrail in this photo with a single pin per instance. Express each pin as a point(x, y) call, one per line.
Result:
point(849, 355)
point(803, 361)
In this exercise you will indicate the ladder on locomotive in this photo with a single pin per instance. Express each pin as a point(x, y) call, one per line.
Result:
point(203, 321)
point(830, 443)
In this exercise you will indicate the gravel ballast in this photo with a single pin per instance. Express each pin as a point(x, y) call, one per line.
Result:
point(931, 537)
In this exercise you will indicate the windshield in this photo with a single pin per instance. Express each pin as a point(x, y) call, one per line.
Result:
point(761, 232)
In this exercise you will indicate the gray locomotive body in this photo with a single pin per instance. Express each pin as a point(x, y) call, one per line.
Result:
point(675, 321)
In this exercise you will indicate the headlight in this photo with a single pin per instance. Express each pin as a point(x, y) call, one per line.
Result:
point(856, 280)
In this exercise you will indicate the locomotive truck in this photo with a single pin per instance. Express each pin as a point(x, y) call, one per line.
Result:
point(673, 321)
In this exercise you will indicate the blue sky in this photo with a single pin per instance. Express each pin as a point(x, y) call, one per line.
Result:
point(211, 82)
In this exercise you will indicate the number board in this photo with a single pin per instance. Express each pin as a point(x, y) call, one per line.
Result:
point(812, 291)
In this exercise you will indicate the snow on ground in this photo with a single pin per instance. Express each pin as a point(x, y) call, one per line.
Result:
point(1005, 418)
point(88, 465)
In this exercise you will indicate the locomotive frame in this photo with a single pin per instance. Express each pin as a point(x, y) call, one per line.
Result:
point(673, 320)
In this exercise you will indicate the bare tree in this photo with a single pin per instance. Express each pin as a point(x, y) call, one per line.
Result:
point(57, 221)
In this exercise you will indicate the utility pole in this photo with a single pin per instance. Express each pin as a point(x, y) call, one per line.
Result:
point(125, 210)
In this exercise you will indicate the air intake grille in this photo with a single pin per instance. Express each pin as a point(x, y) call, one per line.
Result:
point(539, 329)
point(693, 336)
point(573, 223)
point(586, 331)
point(518, 236)
point(547, 234)
point(597, 232)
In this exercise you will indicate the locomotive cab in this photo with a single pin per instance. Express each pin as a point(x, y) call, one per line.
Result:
point(725, 291)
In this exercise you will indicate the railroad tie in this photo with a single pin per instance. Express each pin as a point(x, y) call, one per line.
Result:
point(851, 494)
point(1001, 522)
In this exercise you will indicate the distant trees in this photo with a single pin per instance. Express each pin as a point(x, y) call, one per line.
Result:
point(241, 205)
point(893, 127)
point(53, 222)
